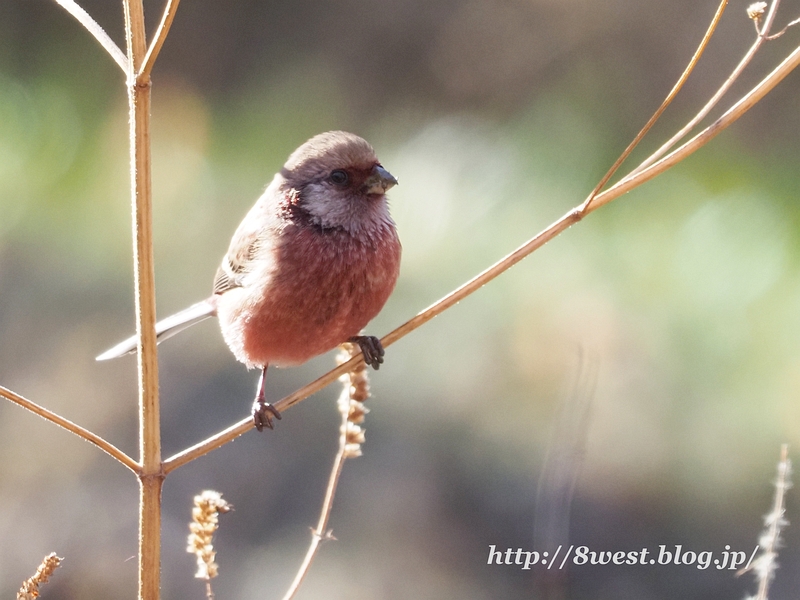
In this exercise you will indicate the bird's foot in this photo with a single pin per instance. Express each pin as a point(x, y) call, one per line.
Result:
point(371, 348)
point(263, 413)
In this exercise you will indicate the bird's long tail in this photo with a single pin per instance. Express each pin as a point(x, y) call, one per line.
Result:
point(166, 328)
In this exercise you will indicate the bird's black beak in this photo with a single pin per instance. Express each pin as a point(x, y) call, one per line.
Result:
point(379, 181)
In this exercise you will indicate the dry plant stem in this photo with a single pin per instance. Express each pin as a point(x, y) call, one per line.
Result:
point(151, 477)
point(667, 101)
point(701, 139)
point(158, 39)
point(87, 435)
point(777, 519)
point(572, 217)
point(321, 533)
point(770, 18)
point(100, 35)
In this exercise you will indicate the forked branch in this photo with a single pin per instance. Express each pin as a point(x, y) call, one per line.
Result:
point(158, 39)
point(81, 432)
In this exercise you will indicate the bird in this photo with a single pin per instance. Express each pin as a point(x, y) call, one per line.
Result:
point(313, 261)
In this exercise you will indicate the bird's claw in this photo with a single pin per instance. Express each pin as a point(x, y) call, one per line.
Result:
point(263, 413)
point(371, 348)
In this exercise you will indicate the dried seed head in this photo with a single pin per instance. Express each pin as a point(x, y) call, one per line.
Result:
point(205, 521)
point(351, 403)
point(354, 434)
point(356, 412)
point(756, 10)
point(30, 588)
point(352, 451)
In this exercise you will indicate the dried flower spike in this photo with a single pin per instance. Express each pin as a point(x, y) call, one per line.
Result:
point(30, 588)
point(756, 10)
point(351, 403)
point(205, 521)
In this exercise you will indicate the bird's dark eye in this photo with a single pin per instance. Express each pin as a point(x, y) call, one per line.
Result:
point(339, 177)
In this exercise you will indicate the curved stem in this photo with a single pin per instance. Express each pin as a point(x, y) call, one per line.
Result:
point(207, 445)
point(701, 139)
point(82, 433)
point(760, 39)
point(98, 32)
point(667, 101)
point(321, 533)
point(151, 477)
point(158, 39)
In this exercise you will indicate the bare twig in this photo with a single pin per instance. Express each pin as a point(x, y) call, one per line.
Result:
point(770, 18)
point(351, 436)
point(732, 115)
point(737, 71)
point(82, 433)
point(151, 477)
point(321, 533)
point(100, 35)
point(667, 101)
point(158, 39)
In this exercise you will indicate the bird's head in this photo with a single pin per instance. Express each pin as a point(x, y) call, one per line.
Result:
point(335, 178)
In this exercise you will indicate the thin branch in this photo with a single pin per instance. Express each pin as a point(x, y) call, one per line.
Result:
point(212, 443)
point(158, 39)
point(351, 436)
point(100, 35)
point(770, 18)
point(151, 478)
point(667, 101)
point(321, 533)
point(82, 433)
point(760, 39)
point(782, 31)
point(732, 115)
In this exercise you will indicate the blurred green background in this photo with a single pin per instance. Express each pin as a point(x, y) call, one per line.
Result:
point(670, 317)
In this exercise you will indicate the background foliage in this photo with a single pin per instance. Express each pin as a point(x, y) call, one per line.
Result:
point(496, 117)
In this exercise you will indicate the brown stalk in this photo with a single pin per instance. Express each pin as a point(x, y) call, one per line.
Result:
point(760, 39)
point(151, 476)
point(100, 35)
point(158, 39)
point(352, 411)
point(660, 110)
point(81, 432)
point(701, 139)
point(321, 533)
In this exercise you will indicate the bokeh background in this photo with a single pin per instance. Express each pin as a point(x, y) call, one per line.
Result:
point(653, 349)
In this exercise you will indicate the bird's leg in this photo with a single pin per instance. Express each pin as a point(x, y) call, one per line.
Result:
point(371, 348)
point(262, 410)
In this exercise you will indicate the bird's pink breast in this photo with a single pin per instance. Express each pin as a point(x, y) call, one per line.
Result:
point(324, 287)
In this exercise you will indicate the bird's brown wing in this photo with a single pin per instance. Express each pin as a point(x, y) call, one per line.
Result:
point(235, 264)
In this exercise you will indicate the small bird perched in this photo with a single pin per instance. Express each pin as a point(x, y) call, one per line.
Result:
point(310, 265)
